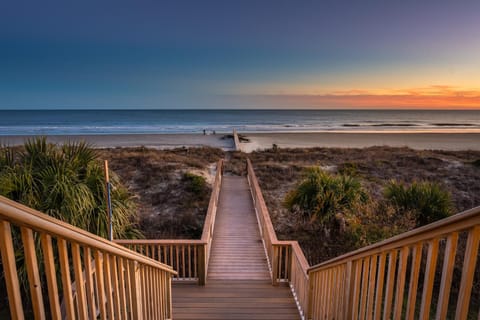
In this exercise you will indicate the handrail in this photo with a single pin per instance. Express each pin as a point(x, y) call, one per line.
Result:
point(189, 257)
point(131, 285)
point(286, 259)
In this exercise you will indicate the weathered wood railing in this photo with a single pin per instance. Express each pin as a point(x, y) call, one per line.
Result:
point(188, 257)
point(124, 285)
point(286, 259)
point(383, 280)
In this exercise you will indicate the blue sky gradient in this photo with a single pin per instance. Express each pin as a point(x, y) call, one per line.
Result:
point(226, 54)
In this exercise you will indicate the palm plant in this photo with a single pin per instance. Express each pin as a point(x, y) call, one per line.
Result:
point(427, 201)
point(321, 195)
point(67, 183)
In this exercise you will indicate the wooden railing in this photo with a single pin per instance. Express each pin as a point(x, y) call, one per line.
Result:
point(286, 259)
point(189, 258)
point(383, 280)
point(110, 280)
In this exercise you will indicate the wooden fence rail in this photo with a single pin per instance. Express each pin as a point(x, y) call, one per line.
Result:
point(189, 258)
point(110, 280)
point(186, 257)
point(286, 259)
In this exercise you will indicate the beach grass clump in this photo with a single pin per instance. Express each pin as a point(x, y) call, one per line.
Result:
point(426, 201)
point(66, 182)
point(194, 183)
point(319, 196)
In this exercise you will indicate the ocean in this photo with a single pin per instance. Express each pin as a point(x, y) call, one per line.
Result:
point(84, 122)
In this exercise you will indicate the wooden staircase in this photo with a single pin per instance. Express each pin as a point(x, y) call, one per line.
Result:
point(239, 282)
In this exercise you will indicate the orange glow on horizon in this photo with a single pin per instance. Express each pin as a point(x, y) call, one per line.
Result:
point(433, 97)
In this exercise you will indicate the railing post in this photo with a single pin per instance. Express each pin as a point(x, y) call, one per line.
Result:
point(202, 264)
point(275, 264)
point(137, 312)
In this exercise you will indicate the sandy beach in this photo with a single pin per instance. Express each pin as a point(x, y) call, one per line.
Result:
point(259, 141)
point(418, 141)
point(155, 141)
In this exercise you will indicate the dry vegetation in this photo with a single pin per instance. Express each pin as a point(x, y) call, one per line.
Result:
point(168, 205)
point(279, 170)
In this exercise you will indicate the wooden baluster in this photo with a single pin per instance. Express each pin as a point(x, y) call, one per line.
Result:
point(51, 276)
point(349, 284)
point(66, 280)
point(128, 288)
point(32, 272)
point(323, 293)
point(328, 292)
point(122, 285)
point(107, 269)
point(135, 290)
point(468, 271)
point(10, 271)
point(184, 272)
point(91, 303)
point(356, 288)
point(371, 287)
point(412, 291)
point(115, 286)
point(156, 301)
point(380, 281)
point(429, 279)
point(143, 288)
point(79, 282)
point(447, 273)
point(189, 251)
point(100, 284)
point(392, 265)
point(365, 279)
point(402, 273)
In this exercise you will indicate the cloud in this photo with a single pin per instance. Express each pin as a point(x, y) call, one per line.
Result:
point(434, 97)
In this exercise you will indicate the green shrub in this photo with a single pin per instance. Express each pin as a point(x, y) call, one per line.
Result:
point(194, 183)
point(427, 201)
point(66, 182)
point(476, 163)
point(321, 195)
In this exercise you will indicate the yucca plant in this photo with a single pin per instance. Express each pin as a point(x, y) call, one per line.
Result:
point(427, 201)
point(320, 195)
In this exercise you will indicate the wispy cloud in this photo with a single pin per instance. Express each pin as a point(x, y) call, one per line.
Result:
point(437, 96)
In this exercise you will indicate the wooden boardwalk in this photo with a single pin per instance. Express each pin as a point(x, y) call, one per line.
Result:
point(239, 285)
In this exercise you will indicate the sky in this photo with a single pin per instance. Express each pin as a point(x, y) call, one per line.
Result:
point(239, 54)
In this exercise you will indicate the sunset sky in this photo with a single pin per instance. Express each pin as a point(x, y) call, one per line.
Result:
point(239, 54)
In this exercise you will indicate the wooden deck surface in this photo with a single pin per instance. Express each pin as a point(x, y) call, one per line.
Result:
point(239, 285)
